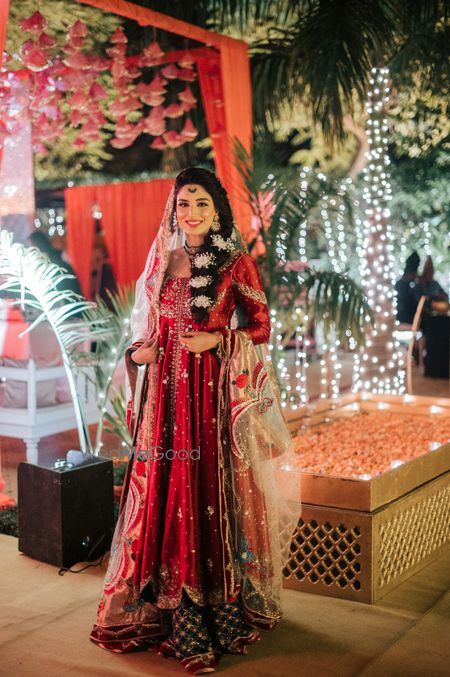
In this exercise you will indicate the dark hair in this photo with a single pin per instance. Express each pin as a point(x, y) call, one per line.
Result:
point(412, 263)
point(40, 240)
point(220, 255)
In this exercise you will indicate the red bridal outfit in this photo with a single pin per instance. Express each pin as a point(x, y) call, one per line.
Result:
point(196, 560)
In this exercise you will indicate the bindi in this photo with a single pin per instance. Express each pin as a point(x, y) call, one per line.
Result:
point(192, 190)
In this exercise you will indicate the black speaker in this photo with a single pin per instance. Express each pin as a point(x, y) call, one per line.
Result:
point(66, 516)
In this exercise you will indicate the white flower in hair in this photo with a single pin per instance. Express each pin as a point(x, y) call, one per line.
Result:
point(201, 281)
point(201, 301)
point(204, 260)
point(220, 243)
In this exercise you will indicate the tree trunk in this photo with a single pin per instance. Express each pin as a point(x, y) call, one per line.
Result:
point(381, 363)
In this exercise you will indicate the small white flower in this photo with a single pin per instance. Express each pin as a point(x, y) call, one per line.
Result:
point(204, 260)
point(220, 243)
point(201, 281)
point(201, 301)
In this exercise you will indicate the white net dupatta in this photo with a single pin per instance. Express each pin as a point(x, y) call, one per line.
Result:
point(144, 321)
point(263, 482)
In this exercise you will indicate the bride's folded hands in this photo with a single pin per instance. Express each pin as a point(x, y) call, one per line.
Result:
point(198, 341)
point(195, 341)
point(147, 353)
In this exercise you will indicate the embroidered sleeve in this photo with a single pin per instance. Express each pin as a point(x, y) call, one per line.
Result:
point(249, 295)
point(249, 292)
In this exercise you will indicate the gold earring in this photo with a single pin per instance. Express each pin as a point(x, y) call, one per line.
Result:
point(215, 226)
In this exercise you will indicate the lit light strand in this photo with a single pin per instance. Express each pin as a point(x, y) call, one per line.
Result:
point(382, 363)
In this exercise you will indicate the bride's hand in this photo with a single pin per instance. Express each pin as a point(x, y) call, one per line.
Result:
point(147, 353)
point(198, 341)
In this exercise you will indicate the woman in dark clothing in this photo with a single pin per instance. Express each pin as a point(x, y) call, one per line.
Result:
point(428, 286)
point(405, 289)
point(435, 326)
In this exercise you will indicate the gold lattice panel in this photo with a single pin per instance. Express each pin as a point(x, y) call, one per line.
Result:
point(330, 554)
point(362, 555)
point(410, 531)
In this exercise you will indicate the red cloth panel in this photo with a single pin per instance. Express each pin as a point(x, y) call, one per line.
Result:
point(131, 214)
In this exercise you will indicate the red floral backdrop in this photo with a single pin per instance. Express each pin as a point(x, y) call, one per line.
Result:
point(148, 96)
point(153, 94)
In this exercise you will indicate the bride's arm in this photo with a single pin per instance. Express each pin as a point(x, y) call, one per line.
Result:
point(249, 295)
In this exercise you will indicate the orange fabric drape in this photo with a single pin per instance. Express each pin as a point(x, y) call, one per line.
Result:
point(80, 232)
point(224, 81)
point(235, 72)
point(4, 11)
point(211, 89)
point(232, 79)
point(131, 214)
point(149, 17)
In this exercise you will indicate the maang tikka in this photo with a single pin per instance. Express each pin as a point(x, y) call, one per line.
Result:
point(215, 226)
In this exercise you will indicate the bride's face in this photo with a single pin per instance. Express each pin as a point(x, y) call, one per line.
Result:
point(195, 209)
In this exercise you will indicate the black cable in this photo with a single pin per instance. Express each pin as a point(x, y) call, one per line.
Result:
point(64, 570)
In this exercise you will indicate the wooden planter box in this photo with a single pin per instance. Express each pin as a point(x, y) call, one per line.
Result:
point(358, 539)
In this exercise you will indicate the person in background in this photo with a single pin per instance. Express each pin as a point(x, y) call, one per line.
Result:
point(42, 242)
point(427, 286)
point(405, 289)
point(103, 282)
point(435, 326)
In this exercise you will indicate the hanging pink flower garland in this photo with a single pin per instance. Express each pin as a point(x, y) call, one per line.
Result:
point(68, 90)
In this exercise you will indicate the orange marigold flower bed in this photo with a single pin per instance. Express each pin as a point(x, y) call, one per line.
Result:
point(369, 444)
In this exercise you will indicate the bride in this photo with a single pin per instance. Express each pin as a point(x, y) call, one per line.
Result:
point(196, 560)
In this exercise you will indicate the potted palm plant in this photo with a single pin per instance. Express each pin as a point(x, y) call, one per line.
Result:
point(66, 512)
point(296, 292)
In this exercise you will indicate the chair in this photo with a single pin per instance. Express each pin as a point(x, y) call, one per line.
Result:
point(32, 422)
point(416, 335)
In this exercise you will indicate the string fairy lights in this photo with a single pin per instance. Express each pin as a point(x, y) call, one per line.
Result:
point(381, 367)
point(332, 213)
point(334, 207)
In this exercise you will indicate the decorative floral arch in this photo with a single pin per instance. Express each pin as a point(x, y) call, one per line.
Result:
point(224, 78)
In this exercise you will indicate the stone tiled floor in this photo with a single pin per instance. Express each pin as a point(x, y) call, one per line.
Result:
point(46, 620)
point(403, 634)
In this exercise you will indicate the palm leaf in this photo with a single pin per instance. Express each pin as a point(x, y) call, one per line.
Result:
point(101, 365)
point(324, 57)
point(28, 275)
point(338, 302)
point(117, 423)
point(328, 297)
point(108, 355)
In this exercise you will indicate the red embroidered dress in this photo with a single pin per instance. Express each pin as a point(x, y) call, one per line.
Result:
point(177, 530)
point(190, 546)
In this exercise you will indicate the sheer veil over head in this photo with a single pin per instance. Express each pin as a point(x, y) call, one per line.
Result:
point(145, 315)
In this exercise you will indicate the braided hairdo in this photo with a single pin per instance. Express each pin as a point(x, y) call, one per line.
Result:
point(217, 247)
